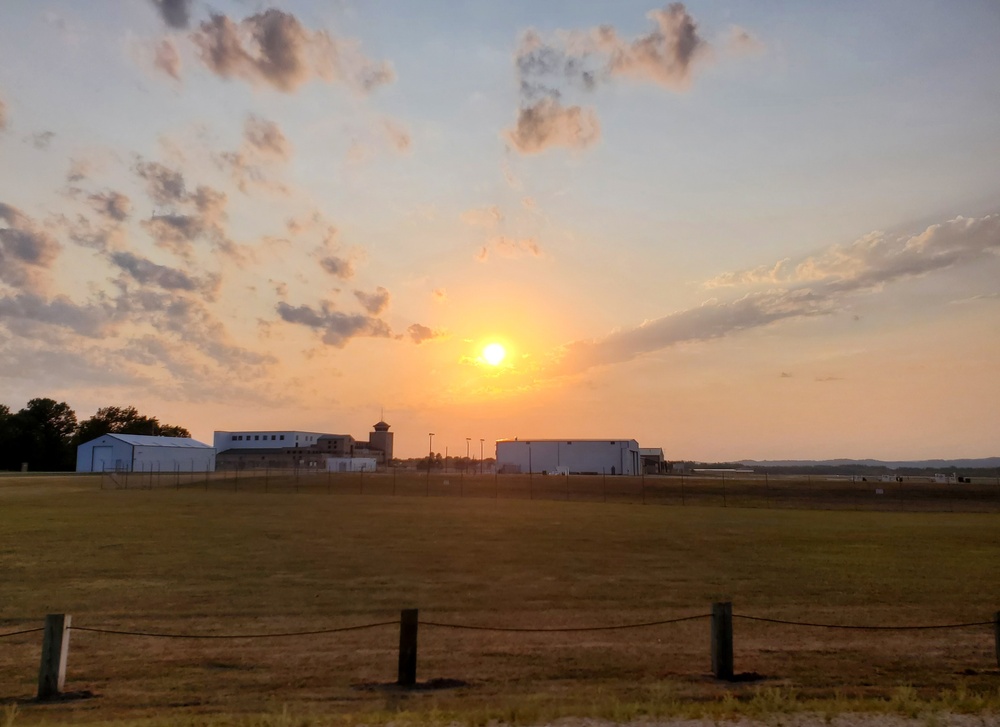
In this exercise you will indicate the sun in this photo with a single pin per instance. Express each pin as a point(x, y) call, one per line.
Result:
point(493, 354)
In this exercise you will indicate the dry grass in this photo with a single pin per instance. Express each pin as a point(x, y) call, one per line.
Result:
point(221, 561)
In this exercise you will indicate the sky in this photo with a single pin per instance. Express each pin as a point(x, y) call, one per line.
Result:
point(732, 230)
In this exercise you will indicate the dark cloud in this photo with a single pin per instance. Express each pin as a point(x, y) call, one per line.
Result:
point(337, 328)
point(86, 320)
point(819, 286)
point(25, 250)
point(146, 271)
point(420, 333)
point(548, 123)
point(273, 48)
point(337, 267)
point(42, 139)
point(112, 205)
point(175, 13)
point(375, 302)
point(584, 60)
point(165, 185)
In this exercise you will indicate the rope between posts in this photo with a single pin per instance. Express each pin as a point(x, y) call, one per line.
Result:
point(564, 629)
point(25, 631)
point(863, 628)
point(317, 632)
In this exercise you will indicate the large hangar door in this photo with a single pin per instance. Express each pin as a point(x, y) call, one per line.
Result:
point(101, 460)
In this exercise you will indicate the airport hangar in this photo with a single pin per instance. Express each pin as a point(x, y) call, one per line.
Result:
point(569, 456)
point(142, 453)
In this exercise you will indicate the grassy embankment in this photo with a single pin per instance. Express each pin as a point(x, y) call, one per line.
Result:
point(220, 561)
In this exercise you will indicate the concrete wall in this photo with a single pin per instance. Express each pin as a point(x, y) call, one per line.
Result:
point(603, 456)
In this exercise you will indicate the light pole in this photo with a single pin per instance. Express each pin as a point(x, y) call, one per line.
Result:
point(468, 441)
point(481, 456)
point(430, 459)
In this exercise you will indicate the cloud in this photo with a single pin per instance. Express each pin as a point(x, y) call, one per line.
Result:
point(192, 216)
point(337, 328)
point(86, 320)
point(548, 123)
point(167, 59)
point(820, 285)
point(25, 250)
point(483, 216)
point(112, 205)
point(420, 333)
point(397, 135)
point(375, 302)
point(440, 295)
point(145, 271)
point(263, 143)
point(164, 185)
point(509, 247)
point(584, 60)
point(266, 137)
point(175, 13)
point(742, 42)
point(42, 139)
point(272, 48)
point(337, 267)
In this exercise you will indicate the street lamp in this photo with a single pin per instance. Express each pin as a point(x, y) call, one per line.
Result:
point(467, 441)
point(430, 444)
point(430, 459)
point(481, 456)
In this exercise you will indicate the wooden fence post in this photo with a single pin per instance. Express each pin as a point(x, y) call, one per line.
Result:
point(55, 650)
point(996, 634)
point(722, 640)
point(408, 622)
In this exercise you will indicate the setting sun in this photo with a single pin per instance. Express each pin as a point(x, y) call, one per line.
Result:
point(494, 354)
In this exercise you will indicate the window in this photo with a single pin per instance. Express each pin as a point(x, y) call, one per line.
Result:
point(240, 438)
point(256, 437)
point(234, 438)
point(273, 437)
point(282, 437)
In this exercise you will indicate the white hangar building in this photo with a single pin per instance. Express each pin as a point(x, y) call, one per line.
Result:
point(139, 453)
point(575, 456)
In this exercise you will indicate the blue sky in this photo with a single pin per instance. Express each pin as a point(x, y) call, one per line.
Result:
point(728, 229)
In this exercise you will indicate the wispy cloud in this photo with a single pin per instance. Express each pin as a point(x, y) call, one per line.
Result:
point(375, 302)
point(509, 247)
point(818, 286)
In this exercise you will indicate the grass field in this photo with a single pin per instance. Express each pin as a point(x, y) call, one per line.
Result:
point(227, 560)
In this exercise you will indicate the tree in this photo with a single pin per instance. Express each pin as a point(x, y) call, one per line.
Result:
point(125, 420)
point(42, 435)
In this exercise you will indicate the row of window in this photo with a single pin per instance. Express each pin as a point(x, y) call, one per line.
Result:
point(256, 437)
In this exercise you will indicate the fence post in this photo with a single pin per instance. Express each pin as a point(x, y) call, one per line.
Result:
point(722, 640)
point(55, 650)
point(408, 622)
point(996, 634)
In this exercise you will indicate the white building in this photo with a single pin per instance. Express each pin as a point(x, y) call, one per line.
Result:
point(351, 464)
point(580, 456)
point(259, 439)
point(140, 453)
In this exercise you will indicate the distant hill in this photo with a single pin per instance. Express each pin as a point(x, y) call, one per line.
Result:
point(944, 464)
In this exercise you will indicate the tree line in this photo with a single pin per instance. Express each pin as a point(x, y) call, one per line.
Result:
point(45, 433)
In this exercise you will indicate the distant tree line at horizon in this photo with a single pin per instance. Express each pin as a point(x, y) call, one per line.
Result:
point(45, 433)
